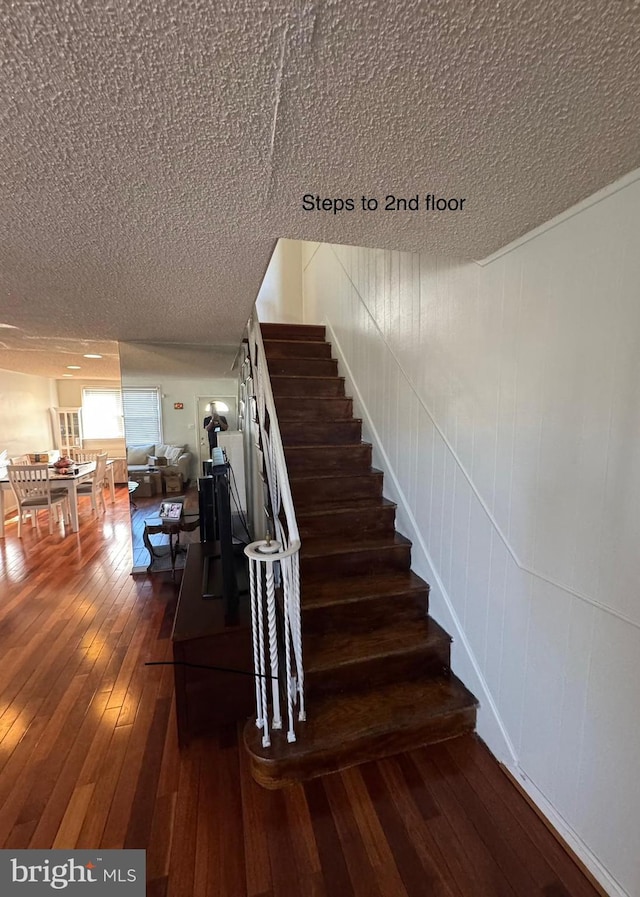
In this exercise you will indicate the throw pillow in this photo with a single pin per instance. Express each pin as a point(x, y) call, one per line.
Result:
point(173, 452)
point(137, 454)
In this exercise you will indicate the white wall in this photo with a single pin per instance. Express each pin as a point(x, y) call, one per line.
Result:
point(280, 294)
point(502, 401)
point(25, 419)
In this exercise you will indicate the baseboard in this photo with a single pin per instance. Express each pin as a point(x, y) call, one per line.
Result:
point(592, 868)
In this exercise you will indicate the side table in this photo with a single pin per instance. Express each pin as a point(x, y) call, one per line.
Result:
point(132, 486)
point(172, 528)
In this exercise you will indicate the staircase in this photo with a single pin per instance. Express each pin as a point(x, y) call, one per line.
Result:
point(377, 675)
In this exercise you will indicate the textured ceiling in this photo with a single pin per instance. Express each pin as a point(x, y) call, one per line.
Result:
point(152, 153)
point(46, 356)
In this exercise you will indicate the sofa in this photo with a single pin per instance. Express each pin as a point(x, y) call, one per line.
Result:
point(178, 459)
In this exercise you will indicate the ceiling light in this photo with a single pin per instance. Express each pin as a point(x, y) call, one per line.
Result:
point(9, 326)
point(92, 356)
point(73, 367)
point(67, 375)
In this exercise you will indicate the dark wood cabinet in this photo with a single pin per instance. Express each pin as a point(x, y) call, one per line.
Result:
point(212, 650)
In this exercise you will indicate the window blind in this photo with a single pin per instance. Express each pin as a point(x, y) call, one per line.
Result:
point(102, 414)
point(142, 419)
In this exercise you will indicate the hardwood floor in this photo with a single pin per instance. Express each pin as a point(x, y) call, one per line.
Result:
point(89, 758)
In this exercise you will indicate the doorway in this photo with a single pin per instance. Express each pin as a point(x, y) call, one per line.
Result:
point(227, 406)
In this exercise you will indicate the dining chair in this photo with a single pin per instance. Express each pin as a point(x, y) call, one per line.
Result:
point(32, 488)
point(94, 487)
point(20, 459)
point(82, 456)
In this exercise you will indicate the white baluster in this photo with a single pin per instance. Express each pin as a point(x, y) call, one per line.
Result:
point(291, 735)
point(266, 740)
point(254, 573)
point(273, 646)
point(297, 632)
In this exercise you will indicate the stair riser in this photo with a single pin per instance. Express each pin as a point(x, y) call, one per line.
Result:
point(309, 349)
point(312, 495)
point(280, 773)
point(328, 432)
point(303, 367)
point(299, 386)
point(369, 521)
point(354, 563)
point(306, 461)
point(377, 671)
point(314, 332)
point(361, 616)
point(313, 409)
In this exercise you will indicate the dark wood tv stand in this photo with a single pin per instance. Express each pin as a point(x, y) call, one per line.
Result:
point(206, 636)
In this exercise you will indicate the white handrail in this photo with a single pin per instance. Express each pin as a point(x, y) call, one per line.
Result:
point(273, 564)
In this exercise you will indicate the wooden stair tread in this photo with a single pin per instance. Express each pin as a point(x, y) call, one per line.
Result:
point(348, 506)
point(300, 478)
point(342, 504)
point(320, 546)
point(325, 422)
point(303, 332)
point(269, 340)
point(321, 431)
point(329, 650)
point(353, 717)
point(327, 591)
point(330, 488)
point(311, 403)
point(283, 395)
point(323, 445)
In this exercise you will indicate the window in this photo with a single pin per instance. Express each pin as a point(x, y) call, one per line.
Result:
point(102, 414)
point(142, 422)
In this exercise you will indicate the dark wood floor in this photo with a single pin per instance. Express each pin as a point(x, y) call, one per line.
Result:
point(89, 758)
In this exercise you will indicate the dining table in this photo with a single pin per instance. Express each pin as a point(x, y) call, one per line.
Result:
point(70, 481)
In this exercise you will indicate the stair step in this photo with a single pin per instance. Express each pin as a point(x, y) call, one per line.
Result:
point(293, 332)
point(328, 459)
point(303, 367)
point(283, 385)
point(314, 408)
point(321, 557)
point(334, 489)
point(293, 348)
point(401, 649)
point(344, 730)
point(320, 432)
point(348, 521)
point(360, 602)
